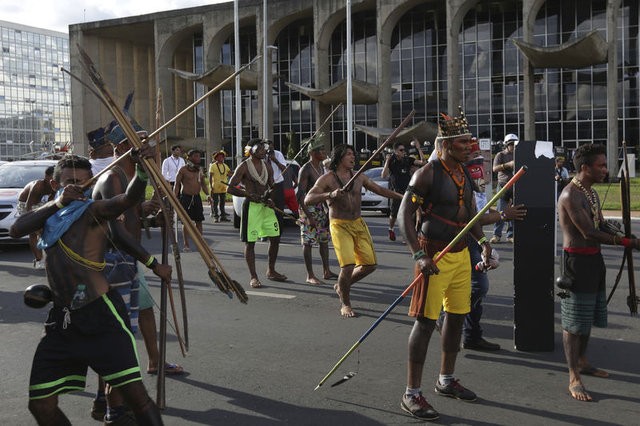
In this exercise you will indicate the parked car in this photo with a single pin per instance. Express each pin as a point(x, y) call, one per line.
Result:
point(372, 201)
point(14, 176)
point(237, 203)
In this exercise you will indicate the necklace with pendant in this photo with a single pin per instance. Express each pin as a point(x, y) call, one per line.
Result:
point(592, 198)
point(458, 181)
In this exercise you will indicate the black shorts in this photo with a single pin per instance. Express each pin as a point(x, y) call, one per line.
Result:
point(193, 206)
point(95, 336)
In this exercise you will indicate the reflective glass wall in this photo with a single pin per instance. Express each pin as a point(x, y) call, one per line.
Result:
point(293, 112)
point(250, 119)
point(35, 112)
point(365, 68)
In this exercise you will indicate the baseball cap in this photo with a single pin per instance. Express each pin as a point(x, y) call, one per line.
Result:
point(511, 138)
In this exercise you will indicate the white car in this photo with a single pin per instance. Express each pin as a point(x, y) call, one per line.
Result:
point(237, 203)
point(372, 201)
point(14, 176)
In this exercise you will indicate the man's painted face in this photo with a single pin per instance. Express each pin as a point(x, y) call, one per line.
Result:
point(459, 148)
point(319, 154)
point(259, 150)
point(73, 176)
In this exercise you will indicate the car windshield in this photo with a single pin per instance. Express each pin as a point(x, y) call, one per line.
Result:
point(18, 175)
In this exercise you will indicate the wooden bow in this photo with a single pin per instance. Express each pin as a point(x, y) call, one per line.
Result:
point(217, 272)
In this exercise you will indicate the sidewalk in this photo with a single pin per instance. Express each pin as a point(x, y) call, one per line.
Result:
point(617, 214)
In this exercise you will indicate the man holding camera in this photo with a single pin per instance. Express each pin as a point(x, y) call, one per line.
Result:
point(398, 167)
point(583, 231)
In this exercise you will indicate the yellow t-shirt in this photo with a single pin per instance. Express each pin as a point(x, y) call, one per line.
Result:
point(219, 175)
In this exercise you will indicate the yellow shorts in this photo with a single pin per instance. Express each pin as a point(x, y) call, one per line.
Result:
point(450, 289)
point(352, 242)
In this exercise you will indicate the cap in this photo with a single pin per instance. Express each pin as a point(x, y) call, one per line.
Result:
point(224, 154)
point(511, 138)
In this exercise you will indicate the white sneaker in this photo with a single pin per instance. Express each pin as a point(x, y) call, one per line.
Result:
point(38, 264)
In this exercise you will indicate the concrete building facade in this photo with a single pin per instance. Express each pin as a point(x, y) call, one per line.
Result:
point(35, 109)
point(427, 55)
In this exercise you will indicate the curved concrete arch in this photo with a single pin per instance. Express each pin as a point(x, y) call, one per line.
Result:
point(212, 56)
point(278, 25)
point(336, 18)
point(394, 16)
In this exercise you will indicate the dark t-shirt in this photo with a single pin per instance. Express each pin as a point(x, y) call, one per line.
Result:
point(400, 173)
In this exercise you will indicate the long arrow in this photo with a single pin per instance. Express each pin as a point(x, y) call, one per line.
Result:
point(440, 255)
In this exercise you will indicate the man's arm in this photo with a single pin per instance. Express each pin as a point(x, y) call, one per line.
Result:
point(236, 179)
point(35, 194)
point(374, 187)
point(321, 192)
point(303, 184)
point(385, 170)
point(177, 187)
point(203, 183)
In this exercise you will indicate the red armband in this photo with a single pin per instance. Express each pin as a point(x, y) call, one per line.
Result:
point(627, 242)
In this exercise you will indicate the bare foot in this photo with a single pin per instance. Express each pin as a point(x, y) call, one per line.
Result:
point(314, 281)
point(347, 312)
point(578, 392)
point(330, 276)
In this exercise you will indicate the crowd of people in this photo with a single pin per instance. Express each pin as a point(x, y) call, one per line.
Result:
point(95, 259)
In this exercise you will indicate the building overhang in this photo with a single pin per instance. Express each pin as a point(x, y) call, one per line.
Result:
point(217, 74)
point(363, 93)
point(583, 52)
point(422, 131)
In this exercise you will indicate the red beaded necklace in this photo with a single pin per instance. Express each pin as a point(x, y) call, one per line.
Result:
point(459, 182)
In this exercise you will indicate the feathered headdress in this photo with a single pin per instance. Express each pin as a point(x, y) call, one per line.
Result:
point(453, 127)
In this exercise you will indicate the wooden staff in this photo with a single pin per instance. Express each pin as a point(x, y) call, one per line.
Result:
point(216, 271)
point(391, 137)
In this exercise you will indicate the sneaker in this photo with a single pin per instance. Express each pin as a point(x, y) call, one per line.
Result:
point(38, 264)
point(495, 239)
point(216, 220)
point(481, 345)
point(455, 390)
point(510, 240)
point(392, 235)
point(99, 409)
point(418, 407)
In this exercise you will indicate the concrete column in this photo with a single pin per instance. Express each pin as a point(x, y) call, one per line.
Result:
point(612, 86)
point(384, 85)
point(528, 20)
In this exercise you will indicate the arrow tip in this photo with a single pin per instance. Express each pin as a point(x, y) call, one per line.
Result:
point(317, 387)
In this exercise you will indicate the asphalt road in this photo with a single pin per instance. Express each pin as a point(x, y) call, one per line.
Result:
point(258, 364)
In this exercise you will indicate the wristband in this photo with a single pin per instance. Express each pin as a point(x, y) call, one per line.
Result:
point(59, 204)
point(417, 255)
point(151, 262)
point(482, 240)
point(141, 174)
point(627, 242)
point(503, 216)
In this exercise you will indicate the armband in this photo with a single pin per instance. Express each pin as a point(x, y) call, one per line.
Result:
point(59, 204)
point(482, 240)
point(141, 174)
point(626, 242)
point(415, 198)
point(151, 262)
point(417, 255)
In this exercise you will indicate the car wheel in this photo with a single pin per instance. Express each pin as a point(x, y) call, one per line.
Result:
point(236, 220)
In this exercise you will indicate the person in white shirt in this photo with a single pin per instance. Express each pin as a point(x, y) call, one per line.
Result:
point(172, 164)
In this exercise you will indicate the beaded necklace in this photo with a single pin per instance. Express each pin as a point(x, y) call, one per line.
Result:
point(592, 198)
point(459, 182)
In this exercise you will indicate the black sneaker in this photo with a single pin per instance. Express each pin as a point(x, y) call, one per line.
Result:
point(418, 407)
point(455, 390)
point(481, 345)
